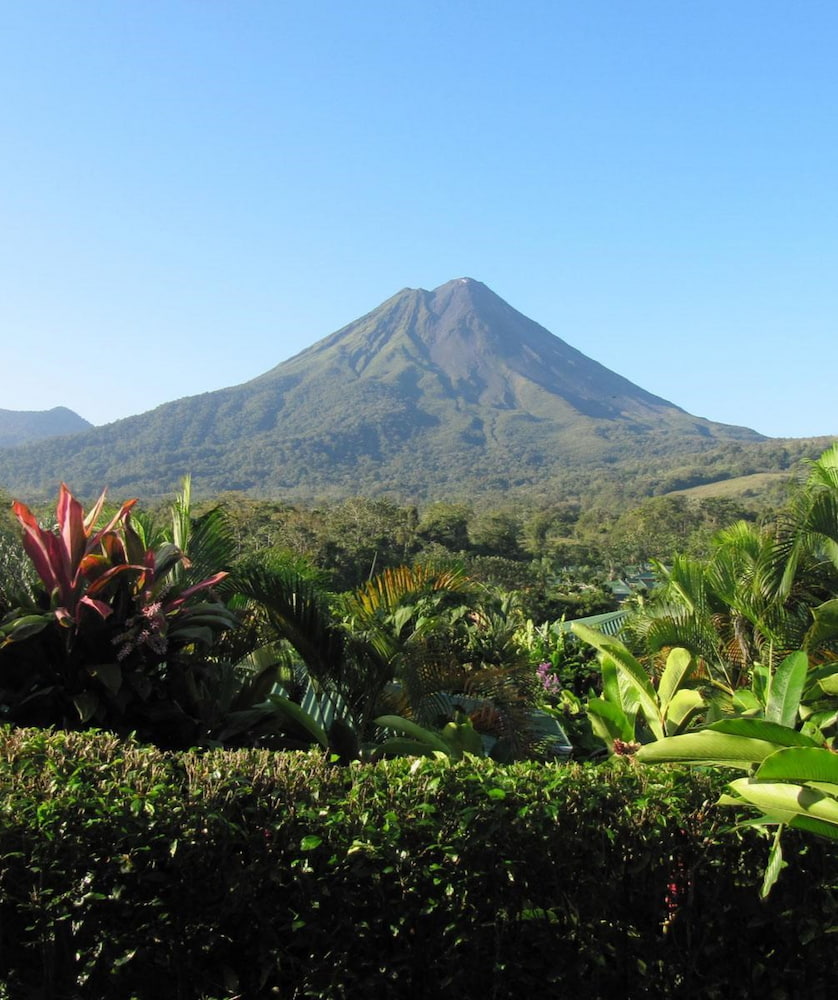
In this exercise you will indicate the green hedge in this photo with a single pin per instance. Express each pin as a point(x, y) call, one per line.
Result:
point(126, 872)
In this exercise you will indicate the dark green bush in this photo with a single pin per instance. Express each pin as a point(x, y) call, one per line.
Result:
point(126, 872)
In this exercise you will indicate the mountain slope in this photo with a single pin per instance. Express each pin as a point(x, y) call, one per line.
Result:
point(20, 426)
point(432, 394)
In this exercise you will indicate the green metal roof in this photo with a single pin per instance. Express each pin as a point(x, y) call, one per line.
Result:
point(611, 623)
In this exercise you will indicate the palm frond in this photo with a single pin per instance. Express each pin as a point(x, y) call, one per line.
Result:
point(297, 610)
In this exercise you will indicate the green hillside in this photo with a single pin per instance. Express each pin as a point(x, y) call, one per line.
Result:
point(21, 426)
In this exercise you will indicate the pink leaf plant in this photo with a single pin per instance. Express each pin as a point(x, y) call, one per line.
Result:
point(78, 562)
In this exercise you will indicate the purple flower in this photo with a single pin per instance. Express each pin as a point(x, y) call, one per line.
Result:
point(549, 681)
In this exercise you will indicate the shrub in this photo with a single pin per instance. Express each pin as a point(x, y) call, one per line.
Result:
point(128, 872)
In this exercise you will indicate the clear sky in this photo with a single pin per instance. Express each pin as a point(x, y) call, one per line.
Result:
point(192, 191)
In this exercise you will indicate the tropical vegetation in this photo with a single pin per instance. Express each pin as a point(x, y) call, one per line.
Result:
point(371, 632)
point(750, 679)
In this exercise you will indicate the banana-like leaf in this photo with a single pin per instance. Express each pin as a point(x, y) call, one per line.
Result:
point(293, 711)
point(110, 674)
point(797, 805)
point(812, 765)
point(762, 729)
point(820, 719)
point(24, 627)
point(740, 743)
point(200, 634)
point(86, 705)
point(786, 689)
point(463, 738)
point(746, 701)
point(683, 707)
point(679, 665)
point(707, 747)
point(245, 720)
point(628, 694)
point(822, 680)
point(829, 685)
point(610, 681)
point(608, 721)
point(406, 727)
point(630, 670)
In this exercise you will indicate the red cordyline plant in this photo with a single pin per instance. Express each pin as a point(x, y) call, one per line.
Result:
point(160, 613)
point(119, 641)
point(77, 563)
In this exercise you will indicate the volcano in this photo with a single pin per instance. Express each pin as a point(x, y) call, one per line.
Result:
point(432, 395)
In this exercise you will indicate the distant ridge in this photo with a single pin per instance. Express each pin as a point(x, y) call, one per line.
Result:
point(20, 426)
point(430, 395)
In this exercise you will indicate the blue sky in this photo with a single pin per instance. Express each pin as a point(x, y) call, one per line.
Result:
point(192, 191)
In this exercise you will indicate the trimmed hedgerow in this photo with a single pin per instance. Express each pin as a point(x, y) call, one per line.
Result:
point(128, 872)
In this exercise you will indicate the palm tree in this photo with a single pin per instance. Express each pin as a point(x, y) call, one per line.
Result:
point(753, 599)
point(717, 608)
point(447, 650)
point(425, 644)
point(806, 541)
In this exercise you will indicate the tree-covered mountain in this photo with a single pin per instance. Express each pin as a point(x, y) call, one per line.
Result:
point(434, 394)
point(21, 426)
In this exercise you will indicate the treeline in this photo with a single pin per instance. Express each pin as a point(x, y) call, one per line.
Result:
point(559, 560)
point(561, 555)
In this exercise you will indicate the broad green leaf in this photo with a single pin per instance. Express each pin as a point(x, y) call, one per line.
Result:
point(239, 722)
point(684, 706)
point(786, 688)
point(760, 682)
point(746, 701)
point(761, 729)
point(406, 727)
point(708, 746)
point(822, 680)
point(610, 681)
point(822, 719)
point(631, 671)
point(401, 616)
point(622, 657)
point(301, 717)
point(629, 696)
point(796, 805)
point(829, 685)
point(815, 765)
point(200, 634)
point(24, 627)
point(679, 665)
point(401, 746)
point(86, 704)
point(608, 721)
point(463, 738)
point(775, 865)
point(110, 674)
